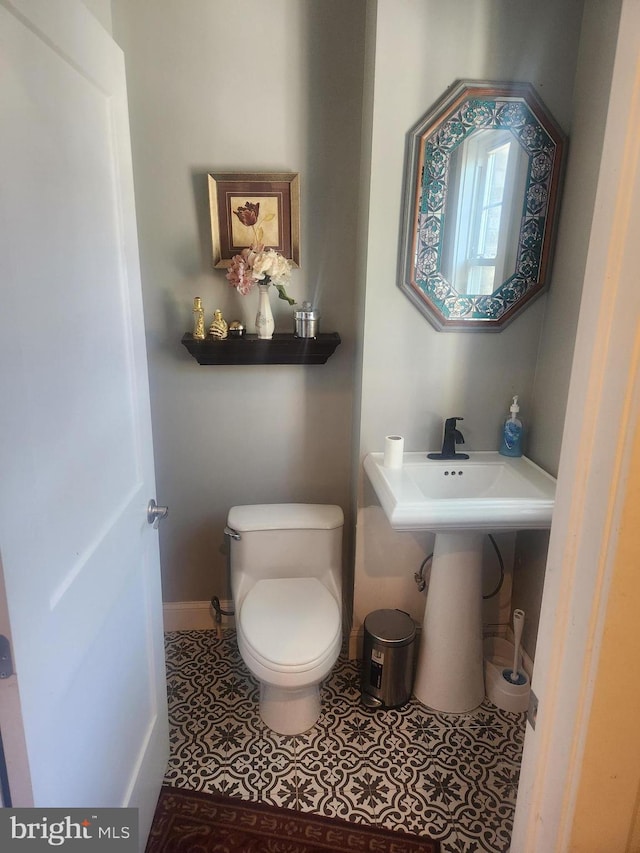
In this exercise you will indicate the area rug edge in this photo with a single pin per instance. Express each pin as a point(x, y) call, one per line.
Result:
point(192, 801)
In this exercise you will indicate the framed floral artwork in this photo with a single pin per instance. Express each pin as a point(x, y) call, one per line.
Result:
point(249, 208)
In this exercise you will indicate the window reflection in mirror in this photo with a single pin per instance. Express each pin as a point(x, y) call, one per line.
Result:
point(487, 177)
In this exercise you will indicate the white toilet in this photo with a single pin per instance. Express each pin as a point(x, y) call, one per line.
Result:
point(286, 580)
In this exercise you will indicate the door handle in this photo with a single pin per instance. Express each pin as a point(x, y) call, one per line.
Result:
point(156, 513)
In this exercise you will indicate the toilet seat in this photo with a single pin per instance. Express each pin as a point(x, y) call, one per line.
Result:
point(290, 623)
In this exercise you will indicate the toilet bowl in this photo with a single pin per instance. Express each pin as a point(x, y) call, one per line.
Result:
point(286, 562)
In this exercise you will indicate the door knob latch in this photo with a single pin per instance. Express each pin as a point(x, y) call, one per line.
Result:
point(156, 513)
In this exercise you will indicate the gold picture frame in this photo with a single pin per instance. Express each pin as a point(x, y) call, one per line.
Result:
point(254, 207)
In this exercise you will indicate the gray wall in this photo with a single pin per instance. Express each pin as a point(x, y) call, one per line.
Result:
point(555, 357)
point(100, 9)
point(219, 85)
point(329, 89)
point(413, 376)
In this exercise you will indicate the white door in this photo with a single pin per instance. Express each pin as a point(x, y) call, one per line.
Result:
point(80, 561)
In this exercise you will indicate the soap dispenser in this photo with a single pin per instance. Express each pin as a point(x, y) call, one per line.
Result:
point(511, 444)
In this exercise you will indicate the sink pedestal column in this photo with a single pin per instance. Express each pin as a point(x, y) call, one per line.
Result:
point(450, 673)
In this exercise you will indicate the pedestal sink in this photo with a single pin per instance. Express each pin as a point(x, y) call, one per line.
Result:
point(460, 501)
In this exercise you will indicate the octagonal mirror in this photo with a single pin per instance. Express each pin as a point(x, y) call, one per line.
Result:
point(482, 184)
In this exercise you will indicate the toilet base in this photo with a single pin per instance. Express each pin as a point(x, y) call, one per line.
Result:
point(289, 712)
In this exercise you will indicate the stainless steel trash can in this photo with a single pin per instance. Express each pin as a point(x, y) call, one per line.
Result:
point(388, 658)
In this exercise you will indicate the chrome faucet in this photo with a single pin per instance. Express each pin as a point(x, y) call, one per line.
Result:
point(452, 436)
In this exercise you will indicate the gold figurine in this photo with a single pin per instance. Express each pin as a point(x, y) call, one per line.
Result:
point(219, 327)
point(198, 320)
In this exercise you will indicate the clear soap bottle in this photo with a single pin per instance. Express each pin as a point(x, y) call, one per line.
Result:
point(511, 444)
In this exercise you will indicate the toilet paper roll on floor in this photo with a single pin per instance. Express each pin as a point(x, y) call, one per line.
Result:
point(393, 451)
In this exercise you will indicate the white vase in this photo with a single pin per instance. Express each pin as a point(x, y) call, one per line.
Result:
point(264, 318)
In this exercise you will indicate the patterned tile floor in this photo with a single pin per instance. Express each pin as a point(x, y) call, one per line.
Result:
point(453, 777)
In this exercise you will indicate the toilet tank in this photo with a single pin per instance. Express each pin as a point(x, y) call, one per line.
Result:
point(285, 540)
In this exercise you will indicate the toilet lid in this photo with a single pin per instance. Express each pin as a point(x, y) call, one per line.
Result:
point(290, 621)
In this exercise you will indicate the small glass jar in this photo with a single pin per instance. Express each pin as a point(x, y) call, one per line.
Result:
point(306, 321)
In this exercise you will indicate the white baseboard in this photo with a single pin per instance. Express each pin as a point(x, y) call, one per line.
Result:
point(199, 616)
point(194, 615)
point(356, 638)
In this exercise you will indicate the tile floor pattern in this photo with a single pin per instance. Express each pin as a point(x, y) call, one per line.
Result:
point(453, 777)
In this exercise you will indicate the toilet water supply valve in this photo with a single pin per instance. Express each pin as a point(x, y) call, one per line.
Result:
point(219, 613)
point(421, 582)
point(215, 601)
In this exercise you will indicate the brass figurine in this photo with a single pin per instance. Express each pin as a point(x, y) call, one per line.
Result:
point(219, 327)
point(198, 320)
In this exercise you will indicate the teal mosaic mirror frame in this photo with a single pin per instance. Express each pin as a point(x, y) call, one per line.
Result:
point(482, 185)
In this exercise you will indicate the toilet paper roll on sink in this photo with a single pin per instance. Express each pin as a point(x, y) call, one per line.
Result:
point(393, 451)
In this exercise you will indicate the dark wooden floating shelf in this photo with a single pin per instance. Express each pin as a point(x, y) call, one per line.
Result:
point(250, 349)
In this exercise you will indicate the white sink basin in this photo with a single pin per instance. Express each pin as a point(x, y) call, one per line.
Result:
point(487, 492)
